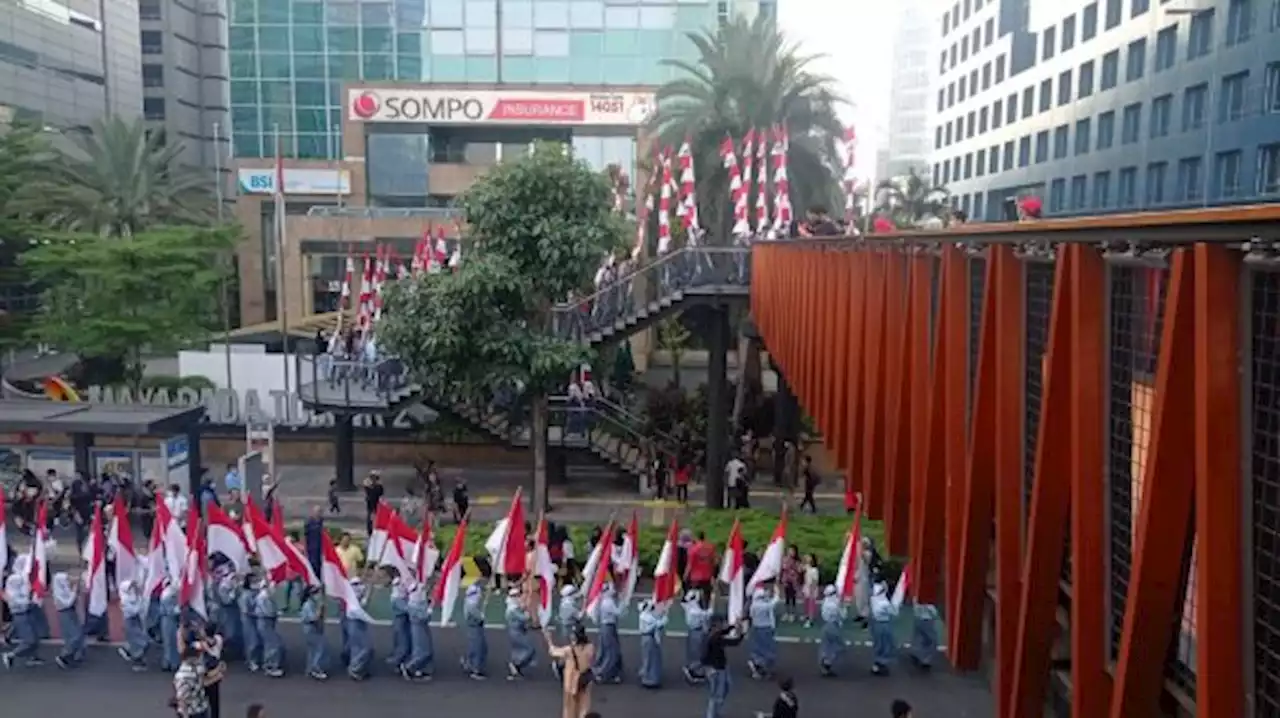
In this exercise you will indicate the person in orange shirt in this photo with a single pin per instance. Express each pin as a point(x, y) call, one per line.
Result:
point(577, 658)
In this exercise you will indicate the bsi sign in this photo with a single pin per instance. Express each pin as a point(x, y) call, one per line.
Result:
point(296, 181)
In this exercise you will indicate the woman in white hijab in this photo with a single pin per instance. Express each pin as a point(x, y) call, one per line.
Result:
point(66, 601)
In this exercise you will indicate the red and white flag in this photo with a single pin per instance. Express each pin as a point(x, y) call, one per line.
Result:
point(903, 588)
point(4, 534)
point(39, 563)
point(425, 554)
point(337, 584)
point(770, 566)
point(544, 573)
point(507, 541)
point(847, 572)
point(629, 567)
point(120, 541)
point(599, 577)
point(732, 571)
point(398, 543)
point(762, 182)
point(96, 560)
point(195, 567)
point(156, 567)
point(173, 541)
point(666, 573)
point(274, 553)
point(450, 584)
point(225, 536)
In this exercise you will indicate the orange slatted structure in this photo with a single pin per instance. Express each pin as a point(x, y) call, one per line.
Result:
point(1070, 493)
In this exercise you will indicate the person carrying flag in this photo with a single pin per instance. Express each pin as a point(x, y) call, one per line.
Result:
point(133, 607)
point(401, 638)
point(570, 616)
point(653, 621)
point(170, 615)
point(831, 646)
point(312, 616)
point(226, 592)
point(608, 667)
point(26, 637)
point(764, 639)
point(248, 603)
point(66, 601)
point(476, 661)
point(420, 663)
point(523, 654)
point(359, 648)
point(883, 644)
point(697, 620)
point(268, 617)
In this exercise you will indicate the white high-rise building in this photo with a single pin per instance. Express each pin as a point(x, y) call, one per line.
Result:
point(915, 35)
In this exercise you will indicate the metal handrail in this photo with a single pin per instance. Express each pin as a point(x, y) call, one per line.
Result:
point(647, 268)
point(384, 377)
point(631, 416)
point(632, 425)
point(634, 439)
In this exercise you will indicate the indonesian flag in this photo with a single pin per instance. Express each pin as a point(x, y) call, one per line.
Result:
point(425, 554)
point(762, 182)
point(771, 560)
point(225, 536)
point(665, 576)
point(381, 527)
point(506, 544)
point(598, 577)
point(447, 588)
point(629, 568)
point(664, 206)
point(39, 553)
point(337, 584)
point(96, 558)
point(120, 541)
point(731, 572)
point(156, 566)
point(271, 551)
point(173, 541)
point(748, 162)
point(901, 590)
point(847, 573)
point(345, 299)
point(4, 535)
point(544, 573)
point(191, 594)
point(397, 549)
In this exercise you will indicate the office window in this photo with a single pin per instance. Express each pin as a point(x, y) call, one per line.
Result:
point(1161, 108)
point(1131, 123)
point(1269, 169)
point(1140, 6)
point(1083, 135)
point(1069, 33)
point(946, 24)
point(1024, 151)
point(997, 114)
point(1089, 22)
point(964, 48)
point(1166, 47)
point(946, 173)
point(969, 126)
point(988, 32)
point(1226, 172)
point(999, 69)
point(1114, 10)
point(953, 54)
point(1061, 140)
point(1079, 189)
point(947, 139)
point(1136, 62)
point(942, 100)
point(968, 7)
point(153, 108)
point(951, 94)
point(976, 40)
point(1200, 38)
point(152, 75)
point(1086, 79)
point(937, 173)
point(968, 165)
point(1029, 101)
point(149, 10)
point(152, 42)
point(1232, 105)
point(1156, 172)
point(1057, 195)
point(1011, 109)
point(1239, 21)
point(1190, 179)
point(982, 120)
point(1275, 15)
point(1106, 130)
point(937, 137)
point(1193, 106)
point(1271, 101)
point(993, 159)
point(1046, 98)
point(1102, 190)
point(973, 82)
point(1042, 146)
point(986, 75)
point(1048, 43)
point(1007, 160)
point(962, 94)
point(1127, 187)
point(1064, 89)
point(980, 163)
point(1110, 69)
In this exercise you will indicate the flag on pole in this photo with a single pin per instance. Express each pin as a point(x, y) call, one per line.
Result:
point(507, 541)
point(337, 584)
point(903, 588)
point(666, 574)
point(770, 566)
point(847, 572)
point(544, 573)
point(191, 593)
point(226, 537)
point(425, 553)
point(447, 588)
point(39, 563)
point(629, 567)
point(732, 573)
point(120, 542)
point(96, 570)
point(4, 534)
point(599, 577)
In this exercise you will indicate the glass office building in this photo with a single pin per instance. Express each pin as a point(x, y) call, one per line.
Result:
point(291, 58)
point(1107, 105)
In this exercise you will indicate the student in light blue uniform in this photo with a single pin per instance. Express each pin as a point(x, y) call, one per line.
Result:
point(227, 592)
point(569, 616)
point(133, 609)
point(653, 622)
point(476, 660)
point(26, 636)
point(268, 615)
point(764, 633)
point(883, 644)
point(66, 601)
point(608, 668)
point(170, 613)
point(401, 640)
point(831, 646)
point(523, 654)
point(359, 646)
point(312, 616)
point(422, 654)
point(39, 620)
point(924, 641)
point(248, 600)
point(697, 620)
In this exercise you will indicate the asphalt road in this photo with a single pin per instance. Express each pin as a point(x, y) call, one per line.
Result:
point(105, 686)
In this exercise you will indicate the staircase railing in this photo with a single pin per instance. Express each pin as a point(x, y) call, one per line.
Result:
point(608, 432)
point(685, 269)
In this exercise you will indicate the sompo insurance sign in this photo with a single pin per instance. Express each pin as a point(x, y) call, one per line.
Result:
point(463, 107)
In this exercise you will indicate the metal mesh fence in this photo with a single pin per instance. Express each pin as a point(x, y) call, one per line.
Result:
point(1038, 287)
point(935, 297)
point(1265, 485)
point(977, 290)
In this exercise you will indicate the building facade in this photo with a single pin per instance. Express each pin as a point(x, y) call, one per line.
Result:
point(186, 92)
point(1107, 105)
point(914, 41)
point(66, 63)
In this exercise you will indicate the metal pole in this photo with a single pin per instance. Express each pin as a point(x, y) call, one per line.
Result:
point(282, 301)
point(226, 277)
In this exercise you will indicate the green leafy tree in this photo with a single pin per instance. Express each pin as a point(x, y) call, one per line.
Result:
point(673, 338)
point(749, 76)
point(114, 300)
point(539, 226)
point(913, 199)
point(25, 155)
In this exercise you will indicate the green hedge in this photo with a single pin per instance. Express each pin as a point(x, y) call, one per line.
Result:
point(823, 536)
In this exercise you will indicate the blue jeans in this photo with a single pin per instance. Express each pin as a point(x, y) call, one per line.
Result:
point(317, 650)
point(169, 641)
point(764, 648)
point(882, 643)
point(252, 641)
point(401, 639)
point(136, 640)
point(72, 635)
point(718, 685)
point(26, 637)
point(272, 645)
point(422, 655)
point(477, 659)
point(925, 641)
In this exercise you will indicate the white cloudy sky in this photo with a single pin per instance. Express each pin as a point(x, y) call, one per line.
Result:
point(855, 37)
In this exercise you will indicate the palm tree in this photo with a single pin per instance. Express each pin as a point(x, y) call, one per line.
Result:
point(748, 76)
point(912, 200)
point(118, 179)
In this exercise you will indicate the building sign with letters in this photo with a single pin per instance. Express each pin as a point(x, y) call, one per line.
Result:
point(296, 181)
point(507, 107)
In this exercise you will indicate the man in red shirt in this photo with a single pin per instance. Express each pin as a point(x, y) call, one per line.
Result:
point(702, 565)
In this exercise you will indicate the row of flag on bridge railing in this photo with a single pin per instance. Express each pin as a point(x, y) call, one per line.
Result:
point(429, 256)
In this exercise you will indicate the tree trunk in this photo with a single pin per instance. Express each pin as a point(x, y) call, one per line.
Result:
point(538, 440)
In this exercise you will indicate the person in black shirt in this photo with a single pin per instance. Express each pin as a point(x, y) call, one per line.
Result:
point(901, 709)
point(818, 223)
point(809, 480)
point(786, 705)
point(373, 491)
point(716, 663)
